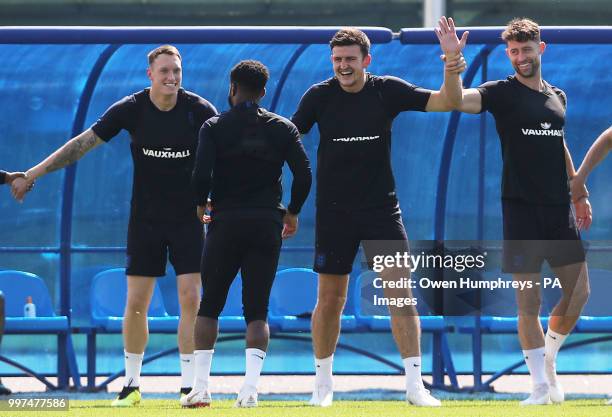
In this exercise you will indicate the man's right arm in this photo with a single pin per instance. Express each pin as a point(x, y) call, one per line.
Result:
point(118, 116)
point(471, 102)
point(70, 152)
point(493, 96)
point(306, 116)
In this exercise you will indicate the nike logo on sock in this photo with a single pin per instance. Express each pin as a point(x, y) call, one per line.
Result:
point(554, 338)
point(415, 365)
point(526, 357)
point(260, 357)
point(318, 366)
point(185, 360)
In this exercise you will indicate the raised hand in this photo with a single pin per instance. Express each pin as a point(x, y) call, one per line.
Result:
point(450, 44)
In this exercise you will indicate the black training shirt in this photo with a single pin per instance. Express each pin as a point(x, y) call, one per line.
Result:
point(163, 147)
point(530, 127)
point(354, 154)
point(240, 159)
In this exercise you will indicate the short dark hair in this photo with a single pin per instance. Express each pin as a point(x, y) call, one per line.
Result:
point(161, 50)
point(351, 36)
point(521, 29)
point(251, 75)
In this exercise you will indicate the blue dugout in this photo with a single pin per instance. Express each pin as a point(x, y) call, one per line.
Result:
point(57, 81)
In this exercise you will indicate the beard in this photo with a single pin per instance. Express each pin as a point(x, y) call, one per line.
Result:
point(535, 66)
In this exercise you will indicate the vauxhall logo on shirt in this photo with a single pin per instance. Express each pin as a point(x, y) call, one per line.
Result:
point(166, 153)
point(356, 139)
point(545, 131)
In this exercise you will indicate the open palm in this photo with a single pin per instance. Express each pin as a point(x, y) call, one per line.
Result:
point(450, 44)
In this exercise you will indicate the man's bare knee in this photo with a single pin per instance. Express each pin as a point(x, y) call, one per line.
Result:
point(528, 302)
point(136, 305)
point(189, 299)
point(583, 294)
point(331, 305)
point(577, 299)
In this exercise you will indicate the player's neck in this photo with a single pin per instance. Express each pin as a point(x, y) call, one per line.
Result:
point(163, 102)
point(245, 98)
point(535, 82)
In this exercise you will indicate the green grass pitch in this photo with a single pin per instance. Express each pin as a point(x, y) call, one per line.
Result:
point(171, 408)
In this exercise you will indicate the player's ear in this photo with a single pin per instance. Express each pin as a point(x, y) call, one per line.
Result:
point(263, 93)
point(367, 60)
point(542, 47)
point(149, 73)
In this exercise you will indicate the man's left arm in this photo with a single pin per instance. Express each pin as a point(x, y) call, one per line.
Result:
point(300, 186)
point(597, 152)
point(584, 214)
point(450, 95)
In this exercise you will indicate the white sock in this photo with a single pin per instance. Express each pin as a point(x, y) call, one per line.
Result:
point(323, 371)
point(203, 360)
point(552, 344)
point(254, 362)
point(187, 369)
point(535, 363)
point(133, 365)
point(412, 367)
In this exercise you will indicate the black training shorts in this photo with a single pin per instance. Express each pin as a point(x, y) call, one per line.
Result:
point(338, 234)
point(150, 242)
point(537, 233)
point(249, 245)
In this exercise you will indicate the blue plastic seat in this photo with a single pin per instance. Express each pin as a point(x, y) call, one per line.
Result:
point(17, 286)
point(293, 298)
point(495, 324)
point(377, 318)
point(108, 298)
